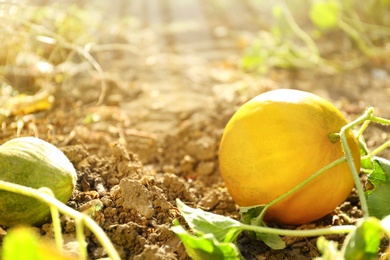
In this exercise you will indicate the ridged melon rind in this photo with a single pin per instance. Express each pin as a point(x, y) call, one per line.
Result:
point(35, 163)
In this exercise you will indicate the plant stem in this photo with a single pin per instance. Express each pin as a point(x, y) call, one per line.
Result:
point(300, 233)
point(355, 174)
point(355, 35)
point(362, 119)
point(362, 128)
point(81, 239)
point(78, 49)
point(366, 116)
point(379, 149)
point(299, 186)
point(55, 216)
point(380, 120)
point(299, 32)
point(51, 201)
point(334, 137)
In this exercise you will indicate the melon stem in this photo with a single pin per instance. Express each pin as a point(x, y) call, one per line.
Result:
point(334, 137)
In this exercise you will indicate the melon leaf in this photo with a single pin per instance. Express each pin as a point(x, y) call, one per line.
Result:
point(364, 241)
point(206, 246)
point(250, 216)
point(378, 188)
point(33, 246)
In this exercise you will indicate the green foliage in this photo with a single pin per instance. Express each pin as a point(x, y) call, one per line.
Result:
point(42, 31)
point(252, 216)
point(277, 49)
point(378, 196)
point(249, 215)
point(290, 45)
point(24, 243)
point(325, 14)
point(361, 244)
point(215, 235)
point(56, 206)
point(17, 239)
point(50, 40)
point(223, 228)
point(206, 246)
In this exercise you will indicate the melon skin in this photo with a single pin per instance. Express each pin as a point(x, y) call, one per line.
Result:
point(35, 163)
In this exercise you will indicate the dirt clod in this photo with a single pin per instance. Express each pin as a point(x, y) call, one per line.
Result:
point(136, 196)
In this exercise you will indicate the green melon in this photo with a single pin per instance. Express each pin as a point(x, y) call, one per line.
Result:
point(34, 163)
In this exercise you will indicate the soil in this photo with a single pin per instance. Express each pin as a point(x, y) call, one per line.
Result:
point(155, 134)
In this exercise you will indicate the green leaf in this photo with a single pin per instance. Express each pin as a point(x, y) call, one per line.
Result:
point(324, 14)
point(223, 228)
point(381, 173)
point(24, 243)
point(363, 243)
point(378, 198)
point(206, 246)
point(20, 238)
point(274, 241)
point(250, 216)
point(366, 164)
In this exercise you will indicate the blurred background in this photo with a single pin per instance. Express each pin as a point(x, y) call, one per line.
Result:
point(124, 41)
point(160, 61)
